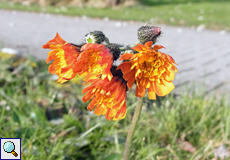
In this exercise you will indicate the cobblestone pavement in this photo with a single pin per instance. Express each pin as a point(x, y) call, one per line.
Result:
point(203, 56)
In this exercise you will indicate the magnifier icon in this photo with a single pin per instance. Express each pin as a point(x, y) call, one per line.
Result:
point(9, 147)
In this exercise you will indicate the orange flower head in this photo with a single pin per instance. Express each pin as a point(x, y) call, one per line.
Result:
point(150, 68)
point(108, 98)
point(94, 61)
point(64, 56)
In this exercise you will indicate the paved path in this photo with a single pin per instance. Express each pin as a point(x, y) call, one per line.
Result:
point(203, 56)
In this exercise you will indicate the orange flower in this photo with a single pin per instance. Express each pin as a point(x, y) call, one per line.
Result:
point(150, 68)
point(109, 98)
point(64, 55)
point(94, 61)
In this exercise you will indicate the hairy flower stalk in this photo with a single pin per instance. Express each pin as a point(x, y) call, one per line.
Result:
point(132, 129)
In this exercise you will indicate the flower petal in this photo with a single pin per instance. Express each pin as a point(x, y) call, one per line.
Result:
point(157, 47)
point(151, 93)
point(125, 67)
point(57, 40)
point(139, 48)
point(149, 44)
point(126, 56)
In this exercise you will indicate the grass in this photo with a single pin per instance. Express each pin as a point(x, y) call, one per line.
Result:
point(212, 14)
point(53, 122)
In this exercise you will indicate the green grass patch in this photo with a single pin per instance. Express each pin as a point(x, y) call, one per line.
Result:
point(53, 122)
point(212, 14)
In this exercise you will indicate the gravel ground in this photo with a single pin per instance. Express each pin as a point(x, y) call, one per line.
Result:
point(203, 56)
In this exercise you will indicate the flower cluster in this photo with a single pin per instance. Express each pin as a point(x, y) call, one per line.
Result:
point(96, 61)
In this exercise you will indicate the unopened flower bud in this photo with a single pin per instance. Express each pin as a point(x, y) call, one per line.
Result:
point(95, 37)
point(114, 49)
point(148, 33)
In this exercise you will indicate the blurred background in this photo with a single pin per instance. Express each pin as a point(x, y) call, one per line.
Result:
point(51, 119)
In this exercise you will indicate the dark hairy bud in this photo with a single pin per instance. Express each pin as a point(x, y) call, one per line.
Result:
point(95, 37)
point(115, 50)
point(148, 33)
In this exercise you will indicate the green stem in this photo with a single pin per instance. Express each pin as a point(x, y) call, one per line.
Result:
point(124, 47)
point(134, 44)
point(132, 128)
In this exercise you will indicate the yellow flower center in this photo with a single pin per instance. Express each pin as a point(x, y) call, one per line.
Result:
point(94, 66)
point(153, 67)
point(106, 100)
